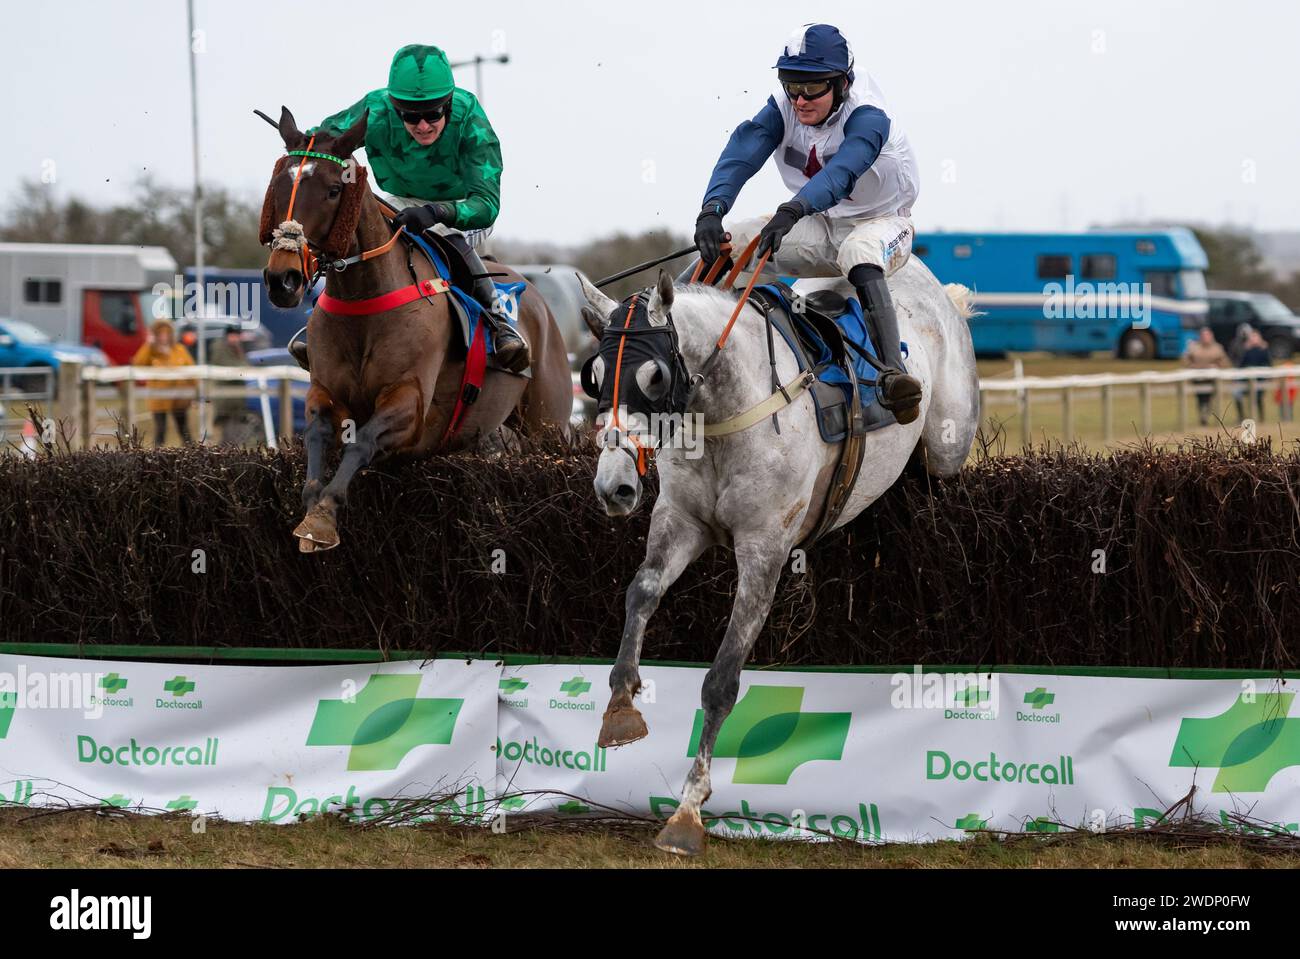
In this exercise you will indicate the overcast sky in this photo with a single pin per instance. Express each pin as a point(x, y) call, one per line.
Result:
point(1024, 114)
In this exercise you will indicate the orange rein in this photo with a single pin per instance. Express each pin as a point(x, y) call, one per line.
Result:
point(641, 453)
point(730, 281)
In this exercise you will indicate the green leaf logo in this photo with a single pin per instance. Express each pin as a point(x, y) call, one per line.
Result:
point(769, 737)
point(384, 722)
point(1249, 744)
point(1040, 698)
point(8, 706)
point(178, 687)
point(575, 686)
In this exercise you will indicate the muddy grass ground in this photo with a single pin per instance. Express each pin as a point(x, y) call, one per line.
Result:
point(84, 840)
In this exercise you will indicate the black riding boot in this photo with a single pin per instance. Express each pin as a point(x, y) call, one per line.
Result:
point(511, 350)
point(298, 349)
point(901, 393)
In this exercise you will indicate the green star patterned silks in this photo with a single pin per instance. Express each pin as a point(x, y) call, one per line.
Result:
point(463, 166)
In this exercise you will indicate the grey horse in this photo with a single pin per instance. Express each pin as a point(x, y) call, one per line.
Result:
point(759, 491)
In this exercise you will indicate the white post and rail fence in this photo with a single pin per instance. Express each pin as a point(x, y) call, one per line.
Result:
point(92, 402)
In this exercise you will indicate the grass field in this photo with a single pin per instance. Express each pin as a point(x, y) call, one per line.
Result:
point(1047, 416)
point(83, 839)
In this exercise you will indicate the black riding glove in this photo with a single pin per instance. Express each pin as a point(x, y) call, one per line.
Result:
point(709, 234)
point(782, 222)
point(417, 219)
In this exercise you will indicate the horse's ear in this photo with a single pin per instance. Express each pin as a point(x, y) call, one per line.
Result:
point(598, 300)
point(347, 144)
point(289, 131)
point(661, 299)
point(596, 322)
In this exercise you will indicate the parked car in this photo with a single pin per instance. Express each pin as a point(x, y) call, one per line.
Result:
point(1264, 311)
point(24, 346)
point(215, 327)
point(560, 287)
point(277, 357)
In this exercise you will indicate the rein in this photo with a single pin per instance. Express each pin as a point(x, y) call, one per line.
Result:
point(782, 395)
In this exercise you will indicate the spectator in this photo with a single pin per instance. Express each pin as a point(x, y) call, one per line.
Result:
point(1255, 354)
point(1205, 353)
point(1238, 346)
point(163, 350)
point(229, 412)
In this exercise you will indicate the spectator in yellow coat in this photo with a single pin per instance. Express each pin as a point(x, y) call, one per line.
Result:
point(163, 350)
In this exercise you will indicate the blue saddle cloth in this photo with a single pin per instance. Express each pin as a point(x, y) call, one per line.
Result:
point(507, 294)
point(854, 327)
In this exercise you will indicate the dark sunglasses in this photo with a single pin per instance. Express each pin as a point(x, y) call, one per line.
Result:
point(433, 115)
point(813, 90)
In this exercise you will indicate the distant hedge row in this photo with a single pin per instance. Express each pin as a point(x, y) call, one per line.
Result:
point(1147, 558)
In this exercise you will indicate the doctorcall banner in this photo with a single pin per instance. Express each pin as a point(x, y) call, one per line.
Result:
point(869, 756)
point(250, 743)
point(911, 756)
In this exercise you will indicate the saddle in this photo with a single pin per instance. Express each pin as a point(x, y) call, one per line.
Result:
point(451, 265)
point(843, 390)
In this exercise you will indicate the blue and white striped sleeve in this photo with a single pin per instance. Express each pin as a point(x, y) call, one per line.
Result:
point(748, 149)
point(865, 134)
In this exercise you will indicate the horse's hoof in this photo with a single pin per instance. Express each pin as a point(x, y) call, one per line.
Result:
point(318, 528)
point(620, 726)
point(683, 835)
point(306, 546)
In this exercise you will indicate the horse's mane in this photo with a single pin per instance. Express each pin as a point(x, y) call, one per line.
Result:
point(267, 225)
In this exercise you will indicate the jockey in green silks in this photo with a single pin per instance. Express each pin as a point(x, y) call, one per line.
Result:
point(434, 153)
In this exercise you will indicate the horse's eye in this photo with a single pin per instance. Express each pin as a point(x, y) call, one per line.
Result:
point(650, 378)
point(335, 191)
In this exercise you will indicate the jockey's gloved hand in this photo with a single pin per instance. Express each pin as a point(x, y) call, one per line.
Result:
point(782, 222)
point(417, 219)
point(709, 234)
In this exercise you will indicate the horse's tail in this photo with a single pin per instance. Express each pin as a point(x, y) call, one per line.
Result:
point(962, 297)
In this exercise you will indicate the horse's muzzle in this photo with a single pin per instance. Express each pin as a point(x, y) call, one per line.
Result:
point(284, 288)
point(618, 498)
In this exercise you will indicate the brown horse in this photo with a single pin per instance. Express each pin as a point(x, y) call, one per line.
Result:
point(387, 384)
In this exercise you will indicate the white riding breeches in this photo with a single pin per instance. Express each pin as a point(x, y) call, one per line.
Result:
point(823, 246)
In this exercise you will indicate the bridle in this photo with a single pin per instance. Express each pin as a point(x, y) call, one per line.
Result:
point(680, 380)
point(289, 235)
point(668, 359)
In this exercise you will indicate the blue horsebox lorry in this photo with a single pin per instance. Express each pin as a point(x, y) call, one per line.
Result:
point(1139, 294)
point(242, 294)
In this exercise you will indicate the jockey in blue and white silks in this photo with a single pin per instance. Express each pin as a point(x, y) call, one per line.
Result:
point(854, 179)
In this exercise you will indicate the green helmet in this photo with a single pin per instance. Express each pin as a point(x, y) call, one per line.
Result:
point(418, 73)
